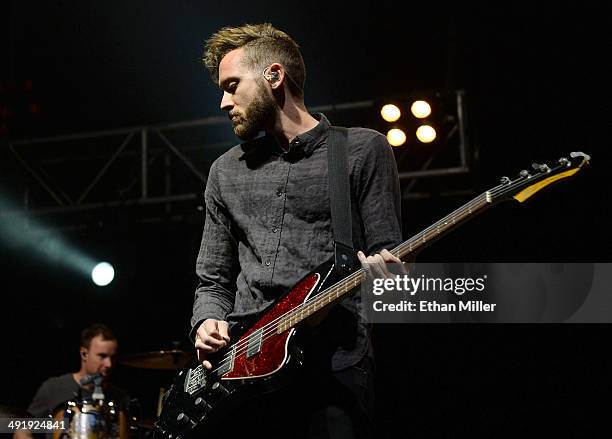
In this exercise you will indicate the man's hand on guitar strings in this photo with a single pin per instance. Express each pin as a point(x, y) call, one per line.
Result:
point(211, 336)
point(375, 266)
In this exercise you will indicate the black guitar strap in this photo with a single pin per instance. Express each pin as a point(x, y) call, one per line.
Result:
point(340, 199)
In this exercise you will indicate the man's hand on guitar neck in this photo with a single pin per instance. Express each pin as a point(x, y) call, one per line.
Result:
point(211, 336)
point(375, 266)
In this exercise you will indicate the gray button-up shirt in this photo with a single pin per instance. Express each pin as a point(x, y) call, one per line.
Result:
point(268, 224)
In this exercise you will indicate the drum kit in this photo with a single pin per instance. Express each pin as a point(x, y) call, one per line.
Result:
point(91, 419)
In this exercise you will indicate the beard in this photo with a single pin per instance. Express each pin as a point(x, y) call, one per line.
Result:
point(259, 112)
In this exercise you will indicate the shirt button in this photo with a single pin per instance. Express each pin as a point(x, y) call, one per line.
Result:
point(279, 193)
point(275, 229)
point(267, 263)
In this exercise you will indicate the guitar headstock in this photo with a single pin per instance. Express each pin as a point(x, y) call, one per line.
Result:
point(542, 175)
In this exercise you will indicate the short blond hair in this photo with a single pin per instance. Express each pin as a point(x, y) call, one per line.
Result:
point(264, 45)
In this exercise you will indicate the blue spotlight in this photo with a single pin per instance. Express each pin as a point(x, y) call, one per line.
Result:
point(103, 274)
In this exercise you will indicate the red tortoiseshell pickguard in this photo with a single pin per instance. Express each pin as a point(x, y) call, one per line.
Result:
point(273, 351)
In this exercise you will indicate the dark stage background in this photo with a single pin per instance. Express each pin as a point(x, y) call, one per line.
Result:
point(537, 83)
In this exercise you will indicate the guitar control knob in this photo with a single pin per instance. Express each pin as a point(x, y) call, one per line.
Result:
point(202, 405)
point(184, 419)
point(217, 387)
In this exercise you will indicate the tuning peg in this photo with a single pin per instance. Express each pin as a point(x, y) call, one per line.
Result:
point(563, 161)
point(504, 180)
point(524, 173)
point(580, 154)
point(540, 167)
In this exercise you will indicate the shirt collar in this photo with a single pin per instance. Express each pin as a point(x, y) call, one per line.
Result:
point(303, 145)
point(309, 141)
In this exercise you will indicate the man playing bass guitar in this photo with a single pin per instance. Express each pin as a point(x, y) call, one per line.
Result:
point(268, 224)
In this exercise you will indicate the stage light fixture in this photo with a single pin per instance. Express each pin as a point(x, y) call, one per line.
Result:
point(103, 274)
point(396, 137)
point(390, 112)
point(426, 133)
point(420, 109)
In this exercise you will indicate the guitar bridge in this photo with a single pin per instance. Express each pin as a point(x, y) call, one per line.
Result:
point(195, 380)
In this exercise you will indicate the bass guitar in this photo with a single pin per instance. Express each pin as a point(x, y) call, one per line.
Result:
point(267, 349)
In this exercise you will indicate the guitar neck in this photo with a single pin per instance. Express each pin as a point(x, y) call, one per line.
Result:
point(446, 224)
point(417, 242)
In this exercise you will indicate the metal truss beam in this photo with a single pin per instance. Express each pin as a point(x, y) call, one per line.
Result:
point(146, 144)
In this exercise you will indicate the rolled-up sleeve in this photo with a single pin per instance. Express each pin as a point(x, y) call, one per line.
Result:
point(217, 262)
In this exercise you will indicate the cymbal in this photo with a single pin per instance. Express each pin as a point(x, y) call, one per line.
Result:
point(164, 360)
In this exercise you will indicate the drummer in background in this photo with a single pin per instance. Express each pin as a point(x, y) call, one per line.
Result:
point(98, 354)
